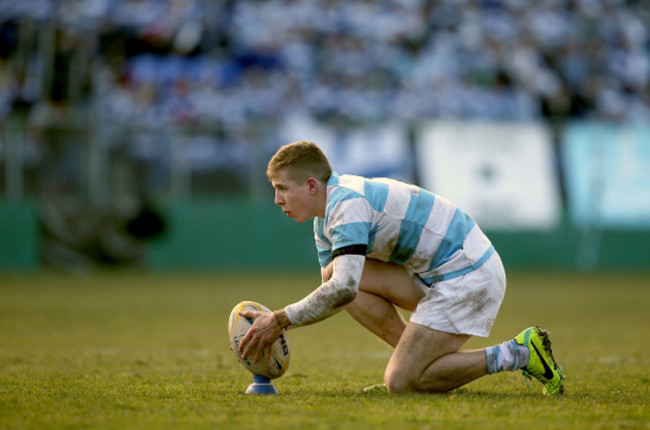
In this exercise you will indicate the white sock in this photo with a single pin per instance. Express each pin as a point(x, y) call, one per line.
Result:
point(506, 356)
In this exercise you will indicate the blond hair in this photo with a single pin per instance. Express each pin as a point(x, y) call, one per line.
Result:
point(301, 160)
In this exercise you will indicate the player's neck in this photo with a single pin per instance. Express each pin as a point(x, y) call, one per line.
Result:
point(321, 201)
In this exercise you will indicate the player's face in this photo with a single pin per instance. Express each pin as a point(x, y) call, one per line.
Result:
point(297, 200)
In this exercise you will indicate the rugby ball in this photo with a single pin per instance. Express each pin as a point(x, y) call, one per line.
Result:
point(238, 327)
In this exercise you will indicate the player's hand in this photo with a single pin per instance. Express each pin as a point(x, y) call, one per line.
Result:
point(260, 337)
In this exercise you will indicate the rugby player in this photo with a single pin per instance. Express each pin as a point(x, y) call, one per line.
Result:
point(384, 244)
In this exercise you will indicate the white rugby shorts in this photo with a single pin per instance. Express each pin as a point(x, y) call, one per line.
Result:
point(467, 304)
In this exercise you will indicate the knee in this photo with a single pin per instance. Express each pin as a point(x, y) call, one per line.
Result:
point(400, 382)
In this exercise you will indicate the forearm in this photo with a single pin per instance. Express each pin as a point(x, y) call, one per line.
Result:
point(332, 295)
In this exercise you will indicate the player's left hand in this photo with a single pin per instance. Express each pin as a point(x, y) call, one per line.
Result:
point(260, 337)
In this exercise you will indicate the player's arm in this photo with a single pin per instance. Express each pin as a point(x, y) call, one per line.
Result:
point(323, 302)
point(333, 294)
point(281, 315)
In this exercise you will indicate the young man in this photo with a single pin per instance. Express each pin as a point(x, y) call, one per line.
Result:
point(384, 243)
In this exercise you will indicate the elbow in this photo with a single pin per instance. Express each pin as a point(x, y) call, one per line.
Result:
point(347, 297)
point(348, 293)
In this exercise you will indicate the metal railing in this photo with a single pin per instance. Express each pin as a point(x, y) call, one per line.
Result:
point(97, 162)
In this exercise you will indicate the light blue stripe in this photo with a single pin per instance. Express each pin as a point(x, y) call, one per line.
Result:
point(460, 272)
point(376, 193)
point(334, 179)
point(324, 252)
point(515, 347)
point(459, 227)
point(487, 359)
point(319, 224)
point(420, 207)
point(353, 233)
point(411, 227)
point(341, 194)
point(492, 358)
point(324, 257)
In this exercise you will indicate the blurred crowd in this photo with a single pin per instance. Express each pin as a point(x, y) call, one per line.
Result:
point(233, 63)
point(184, 97)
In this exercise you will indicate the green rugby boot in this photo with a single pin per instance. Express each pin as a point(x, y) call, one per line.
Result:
point(541, 364)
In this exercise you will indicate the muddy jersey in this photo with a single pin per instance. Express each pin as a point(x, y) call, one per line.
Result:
point(396, 222)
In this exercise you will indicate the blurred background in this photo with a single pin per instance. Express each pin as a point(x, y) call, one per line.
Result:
point(135, 133)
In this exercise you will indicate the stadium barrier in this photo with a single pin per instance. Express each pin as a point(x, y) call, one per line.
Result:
point(19, 235)
point(232, 235)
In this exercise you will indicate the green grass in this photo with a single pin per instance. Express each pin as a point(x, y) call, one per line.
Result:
point(144, 351)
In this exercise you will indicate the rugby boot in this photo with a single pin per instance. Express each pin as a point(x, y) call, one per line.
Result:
point(541, 365)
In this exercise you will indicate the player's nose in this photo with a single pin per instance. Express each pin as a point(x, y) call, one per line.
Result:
point(278, 199)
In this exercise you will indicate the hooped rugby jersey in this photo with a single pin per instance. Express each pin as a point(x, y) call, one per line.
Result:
point(396, 222)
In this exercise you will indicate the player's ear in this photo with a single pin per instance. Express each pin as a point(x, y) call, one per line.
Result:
point(313, 184)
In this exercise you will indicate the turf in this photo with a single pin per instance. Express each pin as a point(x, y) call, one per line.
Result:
point(151, 351)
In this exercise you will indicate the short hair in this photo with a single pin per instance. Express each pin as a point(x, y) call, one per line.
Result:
point(302, 160)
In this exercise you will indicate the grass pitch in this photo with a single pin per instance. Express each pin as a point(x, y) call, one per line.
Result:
point(151, 351)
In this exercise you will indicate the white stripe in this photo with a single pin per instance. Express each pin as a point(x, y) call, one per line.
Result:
point(386, 238)
point(398, 200)
point(425, 251)
point(434, 232)
point(322, 243)
point(475, 245)
point(349, 211)
point(440, 217)
point(355, 183)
